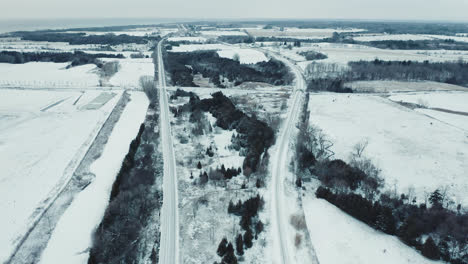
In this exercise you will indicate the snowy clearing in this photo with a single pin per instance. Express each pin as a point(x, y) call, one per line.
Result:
point(459, 121)
point(86, 211)
point(130, 72)
point(413, 150)
point(455, 101)
point(38, 151)
point(405, 37)
point(42, 74)
point(349, 241)
point(216, 33)
point(401, 86)
point(189, 39)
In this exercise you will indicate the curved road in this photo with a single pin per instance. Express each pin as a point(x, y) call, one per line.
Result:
point(169, 243)
point(280, 167)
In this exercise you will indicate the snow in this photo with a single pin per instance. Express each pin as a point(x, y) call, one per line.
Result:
point(215, 33)
point(401, 86)
point(455, 101)
point(189, 39)
point(246, 55)
point(406, 37)
point(339, 238)
point(33, 74)
point(130, 72)
point(459, 121)
point(43, 137)
point(302, 33)
point(72, 237)
point(413, 150)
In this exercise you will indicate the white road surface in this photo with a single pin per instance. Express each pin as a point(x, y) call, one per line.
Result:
point(169, 244)
point(283, 243)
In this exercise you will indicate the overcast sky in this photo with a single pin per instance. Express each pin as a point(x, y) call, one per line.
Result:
point(235, 9)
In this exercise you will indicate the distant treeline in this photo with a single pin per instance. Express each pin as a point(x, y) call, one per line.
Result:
point(76, 58)
point(216, 68)
point(444, 72)
point(82, 38)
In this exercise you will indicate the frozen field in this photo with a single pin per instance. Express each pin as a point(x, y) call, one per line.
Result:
point(303, 33)
point(401, 86)
point(246, 56)
point(339, 238)
point(216, 33)
point(413, 150)
point(86, 211)
point(47, 74)
point(455, 101)
point(130, 72)
point(458, 121)
point(43, 137)
point(382, 37)
point(190, 39)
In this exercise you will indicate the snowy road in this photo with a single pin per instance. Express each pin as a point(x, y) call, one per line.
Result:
point(169, 244)
point(280, 166)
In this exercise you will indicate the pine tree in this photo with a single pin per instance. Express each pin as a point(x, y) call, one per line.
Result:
point(436, 198)
point(430, 250)
point(222, 248)
point(248, 237)
point(229, 257)
point(199, 165)
point(239, 245)
point(258, 227)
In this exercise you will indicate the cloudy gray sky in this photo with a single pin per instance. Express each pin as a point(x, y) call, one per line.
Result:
point(300, 9)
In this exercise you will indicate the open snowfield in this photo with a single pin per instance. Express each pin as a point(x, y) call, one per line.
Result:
point(413, 150)
point(339, 238)
point(43, 137)
point(216, 33)
point(344, 53)
point(246, 55)
point(301, 33)
point(458, 121)
point(382, 37)
point(455, 101)
point(86, 211)
point(189, 39)
point(130, 72)
point(47, 74)
point(401, 86)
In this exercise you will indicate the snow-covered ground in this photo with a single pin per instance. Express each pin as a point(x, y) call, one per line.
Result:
point(455, 101)
point(48, 74)
point(382, 37)
point(43, 137)
point(459, 121)
point(339, 238)
point(412, 149)
point(216, 33)
point(246, 55)
point(130, 72)
point(301, 33)
point(189, 39)
point(72, 237)
point(344, 53)
point(401, 86)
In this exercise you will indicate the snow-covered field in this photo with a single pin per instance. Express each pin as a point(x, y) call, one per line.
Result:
point(130, 72)
point(344, 53)
point(43, 137)
point(72, 237)
point(48, 74)
point(301, 33)
point(401, 86)
point(339, 238)
point(189, 39)
point(246, 55)
point(216, 33)
point(382, 37)
point(458, 121)
point(455, 101)
point(412, 149)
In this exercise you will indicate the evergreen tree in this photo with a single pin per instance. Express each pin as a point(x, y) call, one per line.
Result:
point(258, 227)
point(248, 237)
point(229, 257)
point(240, 245)
point(436, 198)
point(430, 250)
point(222, 248)
point(199, 165)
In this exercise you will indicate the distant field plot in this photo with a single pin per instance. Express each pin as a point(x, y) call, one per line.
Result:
point(246, 55)
point(401, 86)
point(302, 33)
point(43, 137)
point(405, 37)
point(42, 74)
point(215, 33)
point(130, 72)
point(413, 150)
point(455, 101)
point(189, 39)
